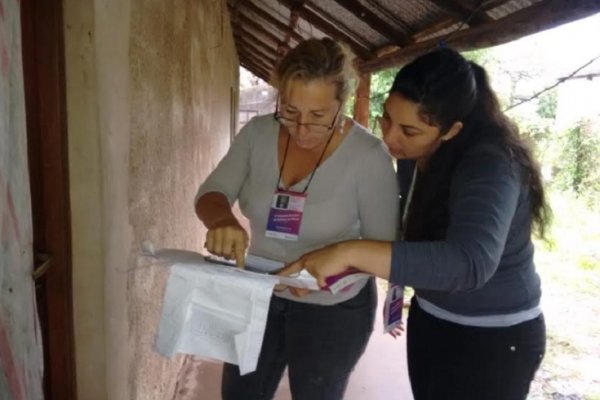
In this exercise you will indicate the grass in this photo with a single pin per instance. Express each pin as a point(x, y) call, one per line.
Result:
point(570, 271)
point(569, 265)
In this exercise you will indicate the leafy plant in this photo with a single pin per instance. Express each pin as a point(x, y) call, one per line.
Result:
point(579, 167)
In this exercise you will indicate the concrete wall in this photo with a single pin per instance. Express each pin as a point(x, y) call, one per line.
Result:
point(20, 342)
point(150, 86)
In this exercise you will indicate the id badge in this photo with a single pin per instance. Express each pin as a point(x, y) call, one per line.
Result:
point(285, 215)
point(392, 309)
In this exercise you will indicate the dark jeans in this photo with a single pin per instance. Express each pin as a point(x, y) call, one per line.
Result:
point(319, 344)
point(448, 361)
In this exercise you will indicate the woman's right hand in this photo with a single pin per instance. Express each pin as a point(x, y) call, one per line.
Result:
point(228, 239)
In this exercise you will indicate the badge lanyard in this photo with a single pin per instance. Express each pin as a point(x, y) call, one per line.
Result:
point(287, 207)
point(409, 197)
point(285, 153)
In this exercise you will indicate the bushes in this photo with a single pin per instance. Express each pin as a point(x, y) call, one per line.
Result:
point(577, 169)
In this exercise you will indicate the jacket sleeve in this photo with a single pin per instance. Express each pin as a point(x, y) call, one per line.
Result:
point(483, 198)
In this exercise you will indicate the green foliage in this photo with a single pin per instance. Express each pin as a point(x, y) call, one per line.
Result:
point(547, 103)
point(587, 263)
point(483, 57)
point(381, 82)
point(578, 170)
point(349, 106)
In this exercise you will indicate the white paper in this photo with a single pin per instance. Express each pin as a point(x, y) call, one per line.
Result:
point(217, 312)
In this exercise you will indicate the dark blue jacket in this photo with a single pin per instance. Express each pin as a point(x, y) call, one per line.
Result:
point(485, 264)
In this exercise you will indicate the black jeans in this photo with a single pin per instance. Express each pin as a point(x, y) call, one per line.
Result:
point(319, 344)
point(448, 361)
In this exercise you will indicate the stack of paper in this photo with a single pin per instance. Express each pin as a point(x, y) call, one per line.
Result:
point(218, 312)
point(214, 312)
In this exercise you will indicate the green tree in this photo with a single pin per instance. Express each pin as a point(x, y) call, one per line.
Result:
point(579, 167)
point(547, 103)
point(381, 82)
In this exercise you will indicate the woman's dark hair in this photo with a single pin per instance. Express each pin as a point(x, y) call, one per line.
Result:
point(448, 88)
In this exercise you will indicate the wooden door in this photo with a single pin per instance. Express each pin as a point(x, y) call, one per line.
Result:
point(43, 70)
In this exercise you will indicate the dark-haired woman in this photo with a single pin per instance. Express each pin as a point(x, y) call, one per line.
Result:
point(471, 196)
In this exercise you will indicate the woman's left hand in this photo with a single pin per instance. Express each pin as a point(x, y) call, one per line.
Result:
point(323, 263)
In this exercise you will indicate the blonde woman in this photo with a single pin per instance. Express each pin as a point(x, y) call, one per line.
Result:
point(339, 181)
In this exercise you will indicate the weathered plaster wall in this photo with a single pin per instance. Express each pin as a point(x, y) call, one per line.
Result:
point(183, 68)
point(21, 360)
point(150, 86)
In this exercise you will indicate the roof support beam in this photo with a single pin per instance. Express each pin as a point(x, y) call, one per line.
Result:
point(267, 54)
point(536, 18)
point(258, 72)
point(254, 41)
point(364, 14)
point(293, 22)
point(271, 20)
point(253, 70)
point(255, 60)
point(463, 12)
point(328, 28)
point(448, 22)
point(255, 64)
point(245, 22)
point(362, 100)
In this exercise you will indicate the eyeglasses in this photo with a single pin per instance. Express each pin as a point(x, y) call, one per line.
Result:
point(293, 124)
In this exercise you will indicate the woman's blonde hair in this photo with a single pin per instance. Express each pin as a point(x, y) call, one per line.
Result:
point(316, 59)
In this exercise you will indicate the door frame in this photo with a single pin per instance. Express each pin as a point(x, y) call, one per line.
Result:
point(45, 105)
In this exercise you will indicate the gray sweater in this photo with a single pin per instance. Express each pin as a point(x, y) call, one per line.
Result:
point(354, 194)
point(485, 264)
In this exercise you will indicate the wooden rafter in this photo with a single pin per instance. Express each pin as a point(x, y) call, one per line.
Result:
point(402, 24)
point(545, 14)
point(251, 26)
point(269, 19)
point(328, 28)
point(262, 74)
point(255, 62)
point(447, 22)
point(362, 100)
point(251, 38)
point(375, 22)
point(463, 12)
point(293, 22)
point(260, 49)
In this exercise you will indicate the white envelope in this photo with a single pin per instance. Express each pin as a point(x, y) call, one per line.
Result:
point(215, 312)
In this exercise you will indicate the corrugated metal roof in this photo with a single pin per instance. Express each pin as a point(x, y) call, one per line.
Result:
point(385, 33)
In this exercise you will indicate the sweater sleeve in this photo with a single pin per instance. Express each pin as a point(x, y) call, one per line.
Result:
point(483, 198)
point(377, 195)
